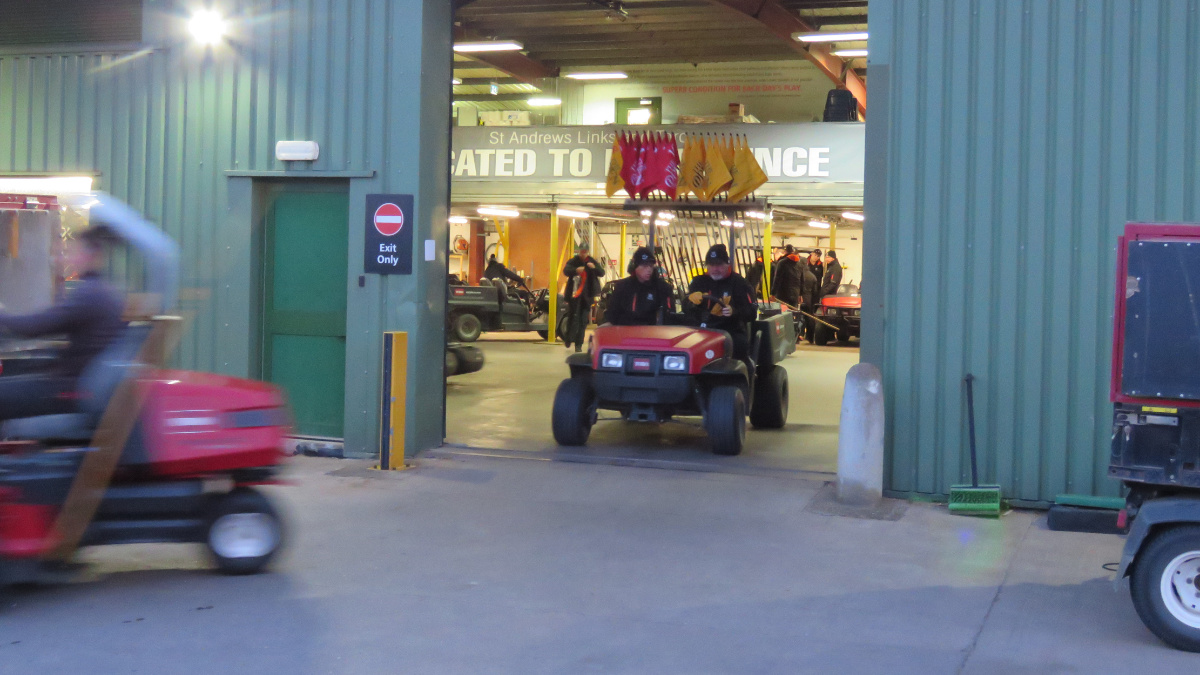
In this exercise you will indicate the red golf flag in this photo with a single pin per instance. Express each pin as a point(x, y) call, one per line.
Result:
point(670, 171)
point(628, 160)
point(636, 185)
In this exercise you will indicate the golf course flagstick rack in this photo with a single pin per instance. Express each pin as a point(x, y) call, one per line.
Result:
point(701, 210)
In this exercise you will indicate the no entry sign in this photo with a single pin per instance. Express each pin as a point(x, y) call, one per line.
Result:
point(389, 235)
point(389, 219)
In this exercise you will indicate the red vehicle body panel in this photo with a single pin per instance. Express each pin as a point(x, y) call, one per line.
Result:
point(186, 423)
point(842, 301)
point(26, 530)
point(1140, 232)
point(695, 342)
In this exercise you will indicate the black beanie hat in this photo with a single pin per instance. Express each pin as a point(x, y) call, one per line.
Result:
point(717, 255)
point(831, 254)
point(789, 249)
point(643, 256)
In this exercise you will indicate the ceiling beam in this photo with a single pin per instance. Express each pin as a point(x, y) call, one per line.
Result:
point(520, 66)
point(489, 80)
point(483, 98)
point(782, 23)
point(841, 20)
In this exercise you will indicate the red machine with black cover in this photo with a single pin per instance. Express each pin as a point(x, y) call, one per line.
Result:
point(1155, 389)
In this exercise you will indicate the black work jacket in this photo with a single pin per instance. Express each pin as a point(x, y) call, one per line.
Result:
point(89, 316)
point(634, 303)
point(833, 279)
point(591, 278)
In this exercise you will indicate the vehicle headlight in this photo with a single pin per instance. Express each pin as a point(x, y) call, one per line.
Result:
point(611, 360)
point(675, 363)
point(833, 312)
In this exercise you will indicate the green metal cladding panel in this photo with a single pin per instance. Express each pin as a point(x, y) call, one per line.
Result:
point(1008, 143)
point(163, 127)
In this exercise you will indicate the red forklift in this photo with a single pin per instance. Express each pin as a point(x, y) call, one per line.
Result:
point(148, 454)
point(1155, 390)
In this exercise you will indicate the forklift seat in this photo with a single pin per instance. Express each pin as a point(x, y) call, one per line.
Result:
point(95, 388)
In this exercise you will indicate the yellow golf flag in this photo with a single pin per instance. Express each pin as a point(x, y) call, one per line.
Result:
point(614, 181)
point(748, 176)
point(727, 151)
point(716, 172)
point(689, 166)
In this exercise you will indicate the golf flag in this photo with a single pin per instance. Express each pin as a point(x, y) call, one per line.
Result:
point(727, 150)
point(615, 165)
point(628, 159)
point(690, 167)
point(716, 173)
point(670, 172)
point(748, 176)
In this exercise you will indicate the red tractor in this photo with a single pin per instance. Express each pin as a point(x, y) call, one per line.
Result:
point(657, 373)
point(839, 315)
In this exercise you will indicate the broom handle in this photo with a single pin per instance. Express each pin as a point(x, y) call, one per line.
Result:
point(971, 423)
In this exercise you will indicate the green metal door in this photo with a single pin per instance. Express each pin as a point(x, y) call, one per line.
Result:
point(304, 293)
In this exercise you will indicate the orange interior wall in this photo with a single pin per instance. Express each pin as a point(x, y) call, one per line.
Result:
point(530, 242)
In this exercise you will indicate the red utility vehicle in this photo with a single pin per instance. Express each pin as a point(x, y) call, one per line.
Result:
point(841, 311)
point(656, 373)
point(200, 444)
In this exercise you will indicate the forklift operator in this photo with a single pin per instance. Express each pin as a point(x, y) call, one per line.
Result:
point(89, 316)
point(723, 300)
point(640, 298)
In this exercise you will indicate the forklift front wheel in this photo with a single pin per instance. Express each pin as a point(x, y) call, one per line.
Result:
point(245, 532)
point(1165, 587)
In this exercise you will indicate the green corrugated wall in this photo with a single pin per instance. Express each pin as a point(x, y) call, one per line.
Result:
point(1007, 145)
point(167, 129)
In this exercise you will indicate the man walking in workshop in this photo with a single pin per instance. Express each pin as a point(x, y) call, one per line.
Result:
point(583, 275)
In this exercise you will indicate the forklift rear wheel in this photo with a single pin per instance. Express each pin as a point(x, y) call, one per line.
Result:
point(245, 532)
point(770, 407)
point(726, 420)
point(1165, 587)
point(821, 335)
point(467, 327)
point(572, 417)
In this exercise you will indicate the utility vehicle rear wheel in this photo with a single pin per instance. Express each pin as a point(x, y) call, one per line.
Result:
point(770, 407)
point(244, 532)
point(726, 420)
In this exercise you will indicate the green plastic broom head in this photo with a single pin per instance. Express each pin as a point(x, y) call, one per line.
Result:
point(983, 500)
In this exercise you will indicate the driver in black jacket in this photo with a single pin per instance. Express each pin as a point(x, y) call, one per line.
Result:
point(640, 298)
point(723, 300)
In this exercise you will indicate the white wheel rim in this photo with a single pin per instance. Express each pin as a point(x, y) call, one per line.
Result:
point(1180, 588)
point(244, 535)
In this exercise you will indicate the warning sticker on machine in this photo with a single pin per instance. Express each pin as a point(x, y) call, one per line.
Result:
point(1152, 409)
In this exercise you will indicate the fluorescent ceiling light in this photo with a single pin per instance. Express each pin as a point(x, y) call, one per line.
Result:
point(596, 76)
point(47, 185)
point(738, 223)
point(459, 220)
point(456, 81)
point(726, 223)
point(850, 53)
point(819, 224)
point(207, 27)
point(850, 215)
point(494, 46)
point(499, 213)
point(645, 101)
point(544, 102)
point(568, 213)
point(829, 37)
point(661, 223)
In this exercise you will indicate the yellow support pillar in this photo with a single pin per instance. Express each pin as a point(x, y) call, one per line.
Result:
point(502, 227)
point(832, 236)
point(552, 284)
point(623, 252)
point(767, 260)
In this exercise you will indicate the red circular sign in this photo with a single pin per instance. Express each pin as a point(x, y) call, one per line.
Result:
point(389, 219)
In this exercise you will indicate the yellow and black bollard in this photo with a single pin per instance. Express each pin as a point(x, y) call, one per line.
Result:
point(391, 418)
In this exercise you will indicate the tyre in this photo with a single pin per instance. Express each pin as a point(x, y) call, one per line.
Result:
point(244, 532)
point(770, 409)
point(843, 336)
point(573, 414)
point(543, 334)
point(726, 420)
point(451, 363)
point(1165, 586)
point(466, 327)
point(820, 334)
point(809, 330)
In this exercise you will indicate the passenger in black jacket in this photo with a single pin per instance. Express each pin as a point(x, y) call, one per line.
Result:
point(498, 270)
point(89, 316)
point(642, 297)
point(583, 275)
point(723, 300)
point(833, 274)
point(814, 263)
point(755, 275)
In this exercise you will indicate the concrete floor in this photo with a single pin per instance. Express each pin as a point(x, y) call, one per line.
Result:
point(505, 409)
point(504, 566)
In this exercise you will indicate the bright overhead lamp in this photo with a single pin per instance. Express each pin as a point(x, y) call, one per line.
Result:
point(850, 53)
point(544, 102)
point(850, 215)
point(596, 76)
point(727, 223)
point(455, 81)
point(458, 220)
point(829, 37)
point(645, 101)
point(491, 46)
point(498, 213)
point(207, 26)
point(819, 224)
point(738, 223)
point(661, 223)
point(568, 213)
